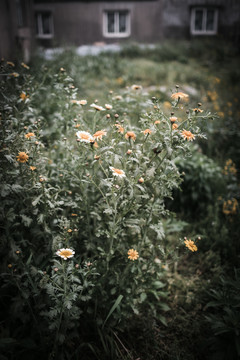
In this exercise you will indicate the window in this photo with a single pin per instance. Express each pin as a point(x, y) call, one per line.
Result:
point(204, 21)
point(116, 23)
point(44, 24)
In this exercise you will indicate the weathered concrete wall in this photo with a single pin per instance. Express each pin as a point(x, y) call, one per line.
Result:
point(177, 15)
point(16, 40)
point(7, 29)
point(79, 23)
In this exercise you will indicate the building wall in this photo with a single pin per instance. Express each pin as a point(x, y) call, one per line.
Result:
point(7, 29)
point(177, 15)
point(79, 23)
point(16, 39)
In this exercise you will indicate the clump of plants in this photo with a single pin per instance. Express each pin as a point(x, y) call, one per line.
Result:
point(83, 191)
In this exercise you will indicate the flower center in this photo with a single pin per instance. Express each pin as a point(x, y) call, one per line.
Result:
point(66, 253)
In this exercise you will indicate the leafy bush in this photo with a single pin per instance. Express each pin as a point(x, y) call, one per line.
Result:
point(202, 184)
point(83, 192)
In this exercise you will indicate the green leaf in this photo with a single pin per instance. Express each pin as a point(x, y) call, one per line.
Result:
point(36, 201)
point(5, 190)
point(143, 297)
point(158, 284)
point(26, 220)
point(115, 305)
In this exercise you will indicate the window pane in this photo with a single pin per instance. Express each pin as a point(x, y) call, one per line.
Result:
point(210, 20)
point(46, 23)
point(122, 22)
point(110, 22)
point(198, 20)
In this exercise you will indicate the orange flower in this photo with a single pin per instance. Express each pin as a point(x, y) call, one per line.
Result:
point(173, 119)
point(147, 132)
point(79, 102)
point(120, 128)
point(23, 96)
point(22, 157)
point(174, 126)
point(133, 254)
point(179, 96)
point(187, 135)
point(190, 245)
point(130, 135)
point(15, 74)
point(28, 135)
point(99, 134)
point(25, 66)
point(32, 168)
point(74, 214)
point(157, 122)
point(197, 110)
point(10, 63)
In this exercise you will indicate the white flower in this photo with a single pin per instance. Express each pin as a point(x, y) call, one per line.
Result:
point(136, 87)
point(84, 136)
point(97, 107)
point(118, 172)
point(65, 253)
point(108, 106)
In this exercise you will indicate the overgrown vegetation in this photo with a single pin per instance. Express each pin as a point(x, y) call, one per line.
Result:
point(119, 219)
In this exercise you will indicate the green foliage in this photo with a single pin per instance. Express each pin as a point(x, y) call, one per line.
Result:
point(66, 195)
point(224, 318)
point(202, 184)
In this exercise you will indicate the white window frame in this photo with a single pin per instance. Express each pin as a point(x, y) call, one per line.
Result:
point(116, 33)
point(204, 31)
point(40, 34)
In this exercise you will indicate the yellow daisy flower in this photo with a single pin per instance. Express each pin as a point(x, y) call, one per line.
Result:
point(29, 135)
point(179, 96)
point(23, 96)
point(187, 135)
point(130, 135)
point(147, 132)
point(133, 254)
point(120, 128)
point(99, 134)
point(22, 157)
point(190, 245)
